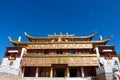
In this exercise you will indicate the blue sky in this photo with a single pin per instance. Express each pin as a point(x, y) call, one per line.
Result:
point(42, 17)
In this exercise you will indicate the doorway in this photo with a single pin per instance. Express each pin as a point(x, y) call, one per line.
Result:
point(73, 72)
point(60, 72)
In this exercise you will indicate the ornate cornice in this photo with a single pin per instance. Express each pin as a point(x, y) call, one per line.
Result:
point(69, 36)
point(15, 42)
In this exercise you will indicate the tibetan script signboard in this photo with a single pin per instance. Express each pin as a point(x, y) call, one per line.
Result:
point(71, 61)
point(58, 46)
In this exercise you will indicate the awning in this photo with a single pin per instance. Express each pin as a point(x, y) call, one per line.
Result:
point(10, 51)
point(107, 50)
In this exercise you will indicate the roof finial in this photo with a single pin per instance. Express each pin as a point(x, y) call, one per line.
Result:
point(59, 39)
point(19, 39)
point(54, 34)
point(100, 36)
point(9, 38)
point(111, 36)
point(60, 33)
point(25, 33)
point(67, 34)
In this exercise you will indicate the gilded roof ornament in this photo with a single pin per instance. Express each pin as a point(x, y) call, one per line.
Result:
point(67, 34)
point(54, 34)
point(60, 33)
point(59, 39)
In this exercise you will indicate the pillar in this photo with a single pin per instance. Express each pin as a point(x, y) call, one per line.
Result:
point(78, 72)
point(51, 72)
point(23, 70)
point(82, 71)
point(68, 72)
point(97, 51)
point(36, 75)
point(96, 68)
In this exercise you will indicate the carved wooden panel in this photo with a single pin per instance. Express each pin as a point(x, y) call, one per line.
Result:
point(71, 61)
point(58, 46)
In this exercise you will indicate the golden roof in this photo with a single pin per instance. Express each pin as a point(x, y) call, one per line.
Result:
point(16, 42)
point(68, 36)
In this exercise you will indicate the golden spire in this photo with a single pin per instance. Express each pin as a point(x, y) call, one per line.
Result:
point(54, 34)
point(60, 33)
point(67, 34)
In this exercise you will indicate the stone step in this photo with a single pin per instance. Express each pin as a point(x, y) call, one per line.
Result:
point(32, 78)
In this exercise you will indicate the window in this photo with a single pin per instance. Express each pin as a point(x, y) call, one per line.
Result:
point(44, 72)
point(107, 55)
point(115, 63)
point(46, 51)
point(12, 56)
point(72, 51)
point(59, 52)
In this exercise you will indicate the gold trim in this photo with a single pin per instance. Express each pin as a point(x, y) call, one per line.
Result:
point(61, 35)
point(56, 55)
point(68, 42)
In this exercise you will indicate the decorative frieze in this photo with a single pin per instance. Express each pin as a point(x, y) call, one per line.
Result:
point(71, 61)
point(58, 46)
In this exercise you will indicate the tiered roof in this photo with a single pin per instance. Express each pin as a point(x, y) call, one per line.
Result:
point(61, 38)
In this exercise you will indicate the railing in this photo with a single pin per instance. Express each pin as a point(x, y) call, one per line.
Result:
point(47, 78)
point(55, 55)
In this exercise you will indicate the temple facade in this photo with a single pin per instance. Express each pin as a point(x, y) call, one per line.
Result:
point(60, 57)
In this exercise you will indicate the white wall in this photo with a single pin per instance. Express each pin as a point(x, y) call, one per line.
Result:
point(12, 69)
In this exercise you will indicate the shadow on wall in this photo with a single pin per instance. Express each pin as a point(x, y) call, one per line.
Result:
point(118, 56)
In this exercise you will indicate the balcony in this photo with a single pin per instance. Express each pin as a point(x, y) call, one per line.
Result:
point(59, 55)
point(70, 59)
